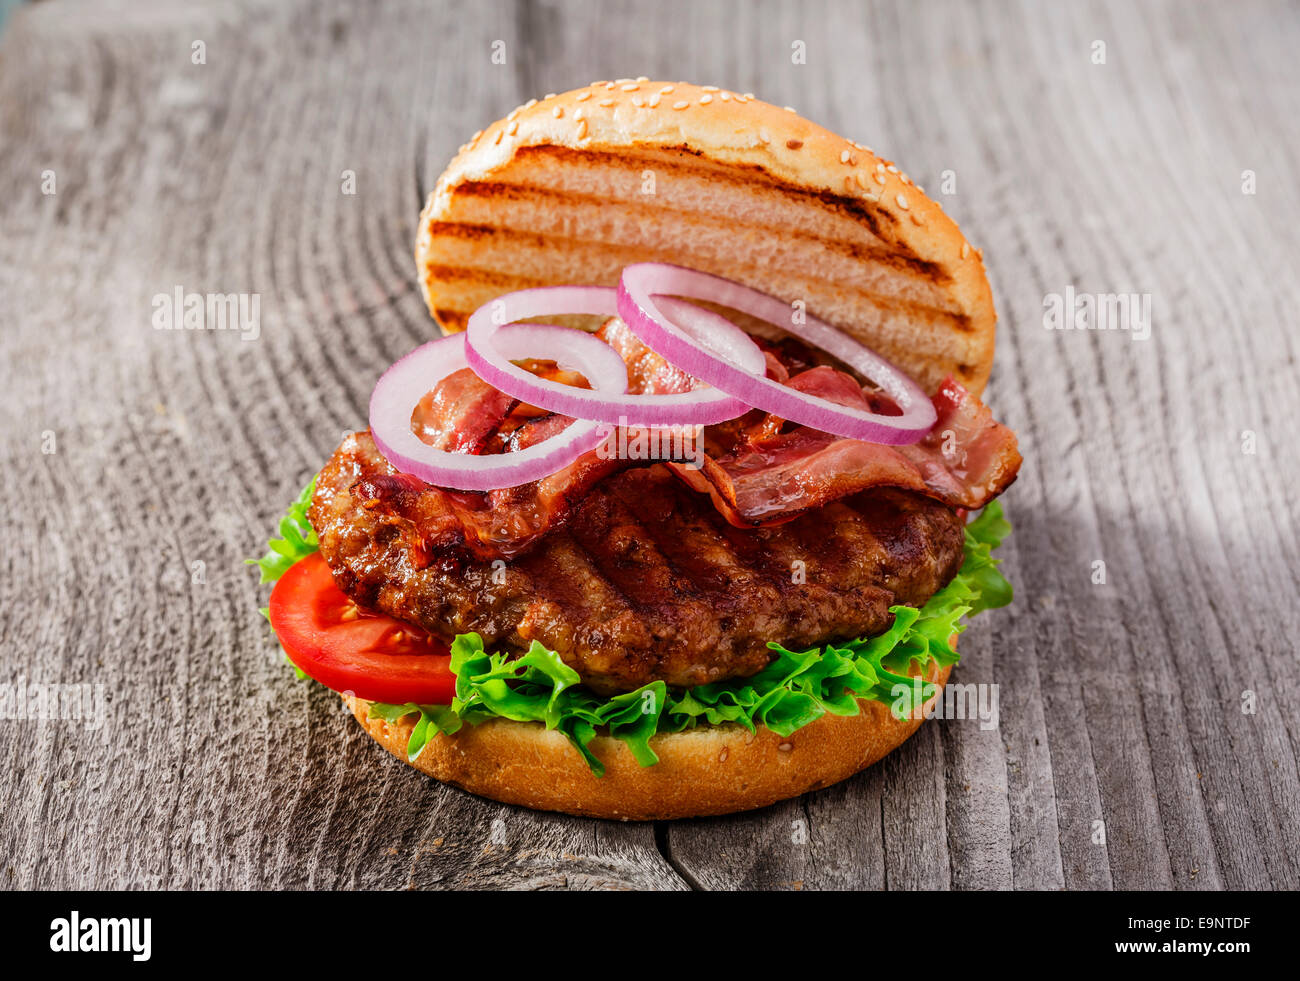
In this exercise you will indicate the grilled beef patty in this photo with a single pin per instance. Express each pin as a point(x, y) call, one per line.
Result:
point(645, 581)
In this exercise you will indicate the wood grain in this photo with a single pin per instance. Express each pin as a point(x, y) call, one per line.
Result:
point(1120, 705)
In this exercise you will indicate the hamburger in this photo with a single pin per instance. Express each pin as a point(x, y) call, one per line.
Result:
point(683, 512)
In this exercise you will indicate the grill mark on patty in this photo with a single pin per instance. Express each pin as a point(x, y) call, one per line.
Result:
point(710, 568)
point(647, 581)
point(619, 548)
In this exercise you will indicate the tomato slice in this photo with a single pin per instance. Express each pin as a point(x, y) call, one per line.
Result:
point(372, 655)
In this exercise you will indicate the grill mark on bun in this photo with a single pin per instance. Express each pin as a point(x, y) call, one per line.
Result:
point(504, 282)
point(756, 173)
point(637, 158)
point(477, 278)
point(829, 221)
point(466, 245)
point(898, 259)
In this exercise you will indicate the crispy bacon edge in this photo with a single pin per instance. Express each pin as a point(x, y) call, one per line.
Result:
point(757, 470)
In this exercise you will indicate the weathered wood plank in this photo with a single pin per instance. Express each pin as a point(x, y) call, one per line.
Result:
point(1112, 708)
point(214, 767)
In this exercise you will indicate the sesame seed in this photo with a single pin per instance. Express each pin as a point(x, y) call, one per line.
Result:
point(742, 99)
point(749, 95)
point(710, 88)
point(790, 109)
point(965, 249)
point(530, 103)
point(557, 112)
point(862, 181)
point(880, 167)
point(848, 158)
point(582, 97)
point(786, 747)
point(848, 182)
point(622, 81)
point(916, 219)
point(725, 96)
point(579, 114)
point(605, 103)
point(902, 201)
point(638, 101)
point(892, 169)
point(642, 78)
point(477, 134)
point(705, 99)
point(922, 190)
point(880, 178)
point(680, 105)
point(609, 85)
point(513, 114)
point(794, 144)
point(764, 136)
point(630, 87)
point(497, 141)
point(873, 198)
point(654, 101)
point(513, 128)
point(904, 178)
point(666, 90)
point(549, 95)
point(582, 129)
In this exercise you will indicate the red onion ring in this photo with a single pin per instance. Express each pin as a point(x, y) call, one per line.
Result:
point(406, 382)
point(640, 290)
point(490, 351)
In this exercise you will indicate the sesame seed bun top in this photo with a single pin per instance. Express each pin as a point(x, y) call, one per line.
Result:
point(573, 187)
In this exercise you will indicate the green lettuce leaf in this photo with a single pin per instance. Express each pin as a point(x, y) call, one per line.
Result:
point(297, 539)
point(797, 688)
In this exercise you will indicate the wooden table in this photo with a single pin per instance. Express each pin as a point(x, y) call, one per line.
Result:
point(1148, 724)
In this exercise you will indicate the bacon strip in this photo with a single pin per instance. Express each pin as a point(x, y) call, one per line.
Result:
point(758, 470)
point(464, 414)
point(775, 479)
point(758, 474)
point(647, 372)
point(969, 457)
point(442, 524)
point(461, 414)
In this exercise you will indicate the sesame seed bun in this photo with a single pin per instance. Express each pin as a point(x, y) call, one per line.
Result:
point(704, 771)
point(572, 188)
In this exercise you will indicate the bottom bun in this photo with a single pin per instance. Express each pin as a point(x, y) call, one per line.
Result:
point(709, 770)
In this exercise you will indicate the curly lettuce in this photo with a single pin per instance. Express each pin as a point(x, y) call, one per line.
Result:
point(797, 688)
point(297, 539)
